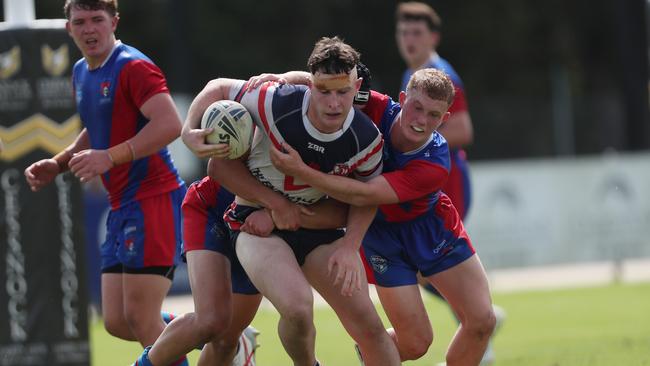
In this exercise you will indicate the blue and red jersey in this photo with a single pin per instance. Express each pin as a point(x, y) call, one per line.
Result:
point(416, 176)
point(458, 186)
point(109, 99)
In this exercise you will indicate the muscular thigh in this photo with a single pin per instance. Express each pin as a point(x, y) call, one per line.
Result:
point(357, 308)
point(273, 269)
point(209, 274)
point(404, 307)
point(465, 287)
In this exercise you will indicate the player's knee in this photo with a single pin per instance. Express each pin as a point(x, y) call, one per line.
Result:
point(212, 326)
point(300, 315)
point(142, 323)
point(482, 326)
point(225, 345)
point(414, 349)
point(117, 327)
point(416, 346)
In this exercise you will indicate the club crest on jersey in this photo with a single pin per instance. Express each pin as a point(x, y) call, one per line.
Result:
point(105, 88)
point(379, 264)
point(341, 169)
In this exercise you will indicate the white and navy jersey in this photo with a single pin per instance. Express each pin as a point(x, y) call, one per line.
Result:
point(280, 113)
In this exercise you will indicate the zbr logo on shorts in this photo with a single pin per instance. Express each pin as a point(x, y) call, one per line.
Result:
point(379, 264)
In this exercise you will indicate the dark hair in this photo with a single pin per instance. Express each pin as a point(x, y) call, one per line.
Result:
point(109, 5)
point(332, 56)
point(414, 11)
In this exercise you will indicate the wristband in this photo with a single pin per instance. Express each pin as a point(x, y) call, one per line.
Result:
point(128, 142)
point(62, 159)
point(121, 153)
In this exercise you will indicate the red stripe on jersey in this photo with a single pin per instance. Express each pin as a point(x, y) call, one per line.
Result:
point(450, 218)
point(123, 127)
point(372, 153)
point(454, 188)
point(261, 108)
point(241, 92)
point(165, 179)
point(417, 179)
point(143, 80)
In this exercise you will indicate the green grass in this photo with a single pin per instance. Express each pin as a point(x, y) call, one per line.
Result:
point(591, 326)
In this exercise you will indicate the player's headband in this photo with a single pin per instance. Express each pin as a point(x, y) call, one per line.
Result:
point(330, 82)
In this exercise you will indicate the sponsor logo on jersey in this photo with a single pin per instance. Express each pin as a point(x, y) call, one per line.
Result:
point(313, 146)
point(379, 263)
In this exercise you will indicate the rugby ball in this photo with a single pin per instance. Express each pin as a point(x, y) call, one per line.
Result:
point(232, 124)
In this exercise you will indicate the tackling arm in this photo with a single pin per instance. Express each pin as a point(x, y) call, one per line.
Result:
point(374, 192)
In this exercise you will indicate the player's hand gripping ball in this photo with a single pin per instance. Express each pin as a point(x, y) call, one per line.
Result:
point(232, 124)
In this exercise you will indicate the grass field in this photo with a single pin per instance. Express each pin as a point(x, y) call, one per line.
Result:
point(590, 326)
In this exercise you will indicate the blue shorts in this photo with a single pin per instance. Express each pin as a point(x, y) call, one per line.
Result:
point(204, 229)
point(396, 252)
point(145, 233)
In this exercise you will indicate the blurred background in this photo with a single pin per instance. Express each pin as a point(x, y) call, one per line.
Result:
point(557, 91)
point(543, 79)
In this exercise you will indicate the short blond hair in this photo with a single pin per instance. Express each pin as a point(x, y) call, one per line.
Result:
point(434, 83)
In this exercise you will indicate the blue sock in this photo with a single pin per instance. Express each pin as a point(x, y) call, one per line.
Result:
point(167, 317)
point(143, 360)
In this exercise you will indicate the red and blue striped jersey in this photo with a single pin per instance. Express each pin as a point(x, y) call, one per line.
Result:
point(415, 176)
point(280, 113)
point(109, 100)
point(458, 186)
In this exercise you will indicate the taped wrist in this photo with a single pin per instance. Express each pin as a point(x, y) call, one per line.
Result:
point(62, 159)
point(122, 153)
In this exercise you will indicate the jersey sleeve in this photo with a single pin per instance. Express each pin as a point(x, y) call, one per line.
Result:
point(257, 101)
point(376, 106)
point(370, 165)
point(142, 80)
point(416, 179)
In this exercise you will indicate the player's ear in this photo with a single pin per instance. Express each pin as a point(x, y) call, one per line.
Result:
point(402, 97)
point(357, 84)
point(114, 21)
point(445, 117)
